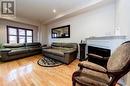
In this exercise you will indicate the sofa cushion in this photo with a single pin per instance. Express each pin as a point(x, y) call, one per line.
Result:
point(18, 51)
point(56, 47)
point(69, 45)
point(55, 51)
point(63, 48)
point(66, 45)
point(56, 44)
point(67, 49)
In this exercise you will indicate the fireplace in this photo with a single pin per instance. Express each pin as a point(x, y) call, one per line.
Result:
point(98, 55)
point(99, 49)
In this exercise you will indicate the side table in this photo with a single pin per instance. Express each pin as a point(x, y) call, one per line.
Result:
point(82, 51)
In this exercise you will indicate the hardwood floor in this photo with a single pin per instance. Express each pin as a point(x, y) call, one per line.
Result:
point(26, 72)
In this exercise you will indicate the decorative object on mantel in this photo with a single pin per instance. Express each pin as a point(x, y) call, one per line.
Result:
point(117, 31)
point(61, 32)
point(82, 41)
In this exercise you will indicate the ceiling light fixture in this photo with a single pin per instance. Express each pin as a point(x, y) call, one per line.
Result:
point(54, 10)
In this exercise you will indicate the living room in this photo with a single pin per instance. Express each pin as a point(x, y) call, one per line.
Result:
point(44, 43)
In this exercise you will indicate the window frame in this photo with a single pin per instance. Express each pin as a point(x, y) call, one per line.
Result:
point(17, 35)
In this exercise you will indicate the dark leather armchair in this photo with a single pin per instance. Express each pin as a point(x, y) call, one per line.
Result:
point(91, 74)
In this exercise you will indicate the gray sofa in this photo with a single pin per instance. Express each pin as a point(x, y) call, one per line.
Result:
point(15, 51)
point(64, 52)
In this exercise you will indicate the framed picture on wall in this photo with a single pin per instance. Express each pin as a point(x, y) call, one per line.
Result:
point(61, 32)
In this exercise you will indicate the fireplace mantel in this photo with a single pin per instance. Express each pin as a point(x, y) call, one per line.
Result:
point(106, 37)
point(108, 42)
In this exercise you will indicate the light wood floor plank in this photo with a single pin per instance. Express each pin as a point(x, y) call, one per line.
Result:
point(26, 72)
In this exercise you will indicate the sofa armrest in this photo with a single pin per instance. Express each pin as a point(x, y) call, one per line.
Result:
point(70, 56)
point(47, 47)
point(92, 66)
point(44, 45)
point(5, 50)
point(4, 53)
point(69, 51)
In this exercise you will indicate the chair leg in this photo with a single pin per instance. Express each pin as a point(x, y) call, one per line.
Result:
point(114, 82)
point(74, 83)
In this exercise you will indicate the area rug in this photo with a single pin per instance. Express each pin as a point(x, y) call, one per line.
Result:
point(48, 62)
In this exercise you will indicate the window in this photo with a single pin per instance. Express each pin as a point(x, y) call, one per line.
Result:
point(12, 35)
point(19, 35)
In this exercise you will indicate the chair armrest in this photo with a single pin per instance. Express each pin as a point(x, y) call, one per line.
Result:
point(92, 66)
point(76, 73)
point(98, 56)
point(94, 55)
point(106, 58)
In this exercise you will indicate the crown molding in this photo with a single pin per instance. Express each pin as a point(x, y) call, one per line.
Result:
point(78, 10)
point(21, 20)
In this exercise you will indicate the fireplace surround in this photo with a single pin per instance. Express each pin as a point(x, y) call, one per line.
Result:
point(98, 55)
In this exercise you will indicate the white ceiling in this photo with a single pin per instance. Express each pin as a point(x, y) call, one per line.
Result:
point(41, 10)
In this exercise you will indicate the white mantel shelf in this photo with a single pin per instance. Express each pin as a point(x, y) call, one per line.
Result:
point(106, 37)
point(108, 42)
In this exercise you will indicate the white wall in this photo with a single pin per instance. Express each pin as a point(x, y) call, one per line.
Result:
point(42, 34)
point(96, 22)
point(123, 21)
point(123, 16)
point(3, 32)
